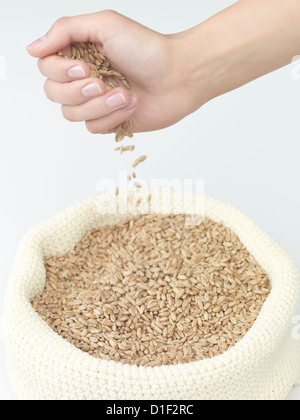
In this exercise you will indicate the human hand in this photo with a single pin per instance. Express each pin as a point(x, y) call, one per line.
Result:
point(171, 75)
point(159, 96)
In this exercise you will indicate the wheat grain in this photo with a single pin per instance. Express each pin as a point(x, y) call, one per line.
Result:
point(101, 67)
point(128, 148)
point(154, 291)
point(138, 161)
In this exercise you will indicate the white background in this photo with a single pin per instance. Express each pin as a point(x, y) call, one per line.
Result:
point(245, 145)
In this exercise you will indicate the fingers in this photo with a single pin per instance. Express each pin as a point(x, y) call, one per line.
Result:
point(107, 124)
point(61, 70)
point(117, 99)
point(93, 27)
point(74, 93)
point(69, 82)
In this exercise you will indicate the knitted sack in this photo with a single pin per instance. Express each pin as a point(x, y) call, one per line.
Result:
point(42, 365)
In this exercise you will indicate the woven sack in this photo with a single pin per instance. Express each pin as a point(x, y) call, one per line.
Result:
point(42, 365)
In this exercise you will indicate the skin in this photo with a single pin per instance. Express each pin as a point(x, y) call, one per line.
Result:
point(172, 76)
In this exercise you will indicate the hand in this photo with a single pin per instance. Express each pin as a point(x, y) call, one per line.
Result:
point(160, 94)
point(171, 75)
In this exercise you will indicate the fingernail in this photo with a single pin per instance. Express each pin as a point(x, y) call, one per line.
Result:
point(116, 100)
point(91, 90)
point(38, 43)
point(132, 104)
point(76, 72)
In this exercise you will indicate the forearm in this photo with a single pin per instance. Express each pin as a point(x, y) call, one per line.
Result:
point(245, 41)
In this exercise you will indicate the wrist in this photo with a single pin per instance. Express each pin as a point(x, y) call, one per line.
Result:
point(199, 65)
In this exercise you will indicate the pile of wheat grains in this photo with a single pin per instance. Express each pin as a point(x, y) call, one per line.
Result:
point(154, 291)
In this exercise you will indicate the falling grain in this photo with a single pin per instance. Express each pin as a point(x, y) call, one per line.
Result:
point(138, 161)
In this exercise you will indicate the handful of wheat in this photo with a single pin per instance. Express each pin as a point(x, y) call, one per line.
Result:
point(101, 68)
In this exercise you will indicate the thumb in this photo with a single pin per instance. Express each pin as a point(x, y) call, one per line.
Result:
point(69, 30)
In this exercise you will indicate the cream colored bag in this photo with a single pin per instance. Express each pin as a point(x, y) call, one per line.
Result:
point(42, 365)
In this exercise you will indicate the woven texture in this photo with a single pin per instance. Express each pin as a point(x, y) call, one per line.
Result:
point(42, 365)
